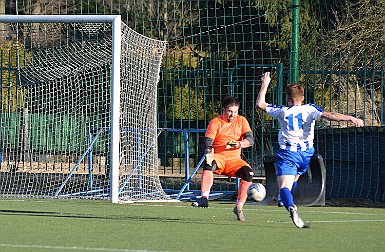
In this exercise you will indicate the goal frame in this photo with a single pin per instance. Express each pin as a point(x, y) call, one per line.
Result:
point(115, 20)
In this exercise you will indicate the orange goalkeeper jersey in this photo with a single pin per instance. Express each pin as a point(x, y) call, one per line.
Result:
point(222, 132)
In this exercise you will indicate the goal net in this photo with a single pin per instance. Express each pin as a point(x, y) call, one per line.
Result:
point(58, 112)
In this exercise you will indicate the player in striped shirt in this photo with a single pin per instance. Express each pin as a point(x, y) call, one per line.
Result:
point(295, 138)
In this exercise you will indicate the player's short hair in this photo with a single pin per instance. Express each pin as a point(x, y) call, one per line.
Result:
point(295, 91)
point(230, 101)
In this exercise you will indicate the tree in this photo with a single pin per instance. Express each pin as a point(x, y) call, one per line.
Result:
point(187, 101)
point(358, 26)
point(187, 104)
point(13, 56)
point(354, 41)
point(279, 17)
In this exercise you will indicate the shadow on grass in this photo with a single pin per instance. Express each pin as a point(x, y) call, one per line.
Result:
point(117, 217)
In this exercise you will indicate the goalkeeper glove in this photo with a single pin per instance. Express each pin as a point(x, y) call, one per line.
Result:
point(233, 144)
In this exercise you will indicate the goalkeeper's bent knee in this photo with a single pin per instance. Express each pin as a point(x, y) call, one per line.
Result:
point(208, 167)
point(245, 173)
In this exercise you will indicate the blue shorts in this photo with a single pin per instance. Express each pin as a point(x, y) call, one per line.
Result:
point(293, 162)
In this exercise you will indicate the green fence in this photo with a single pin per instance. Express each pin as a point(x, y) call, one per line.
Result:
point(58, 133)
point(218, 48)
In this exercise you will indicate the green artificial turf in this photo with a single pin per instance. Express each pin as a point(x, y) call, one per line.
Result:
point(86, 225)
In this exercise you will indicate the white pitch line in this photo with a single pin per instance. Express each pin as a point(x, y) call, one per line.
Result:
point(331, 221)
point(348, 221)
point(345, 213)
point(5, 245)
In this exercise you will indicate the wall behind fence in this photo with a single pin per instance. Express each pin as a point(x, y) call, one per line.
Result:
point(354, 161)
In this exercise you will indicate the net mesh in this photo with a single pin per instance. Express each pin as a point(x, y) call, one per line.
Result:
point(56, 114)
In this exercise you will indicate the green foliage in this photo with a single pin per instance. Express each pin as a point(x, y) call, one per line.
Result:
point(12, 56)
point(186, 56)
point(280, 17)
point(187, 104)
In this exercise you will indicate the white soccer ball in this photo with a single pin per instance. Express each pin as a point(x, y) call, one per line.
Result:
point(256, 192)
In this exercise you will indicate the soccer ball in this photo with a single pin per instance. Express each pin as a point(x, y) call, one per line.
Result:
point(256, 192)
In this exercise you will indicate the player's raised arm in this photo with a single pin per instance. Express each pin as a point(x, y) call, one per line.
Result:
point(333, 116)
point(261, 99)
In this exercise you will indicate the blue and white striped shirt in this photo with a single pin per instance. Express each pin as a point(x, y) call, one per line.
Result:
point(297, 125)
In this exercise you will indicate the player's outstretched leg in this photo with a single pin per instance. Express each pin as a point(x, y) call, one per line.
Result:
point(288, 202)
point(298, 222)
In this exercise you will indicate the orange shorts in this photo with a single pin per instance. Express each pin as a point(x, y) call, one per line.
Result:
point(228, 166)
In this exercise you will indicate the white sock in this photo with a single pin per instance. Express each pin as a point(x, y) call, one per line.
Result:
point(205, 194)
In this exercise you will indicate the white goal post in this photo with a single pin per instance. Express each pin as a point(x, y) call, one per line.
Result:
point(57, 138)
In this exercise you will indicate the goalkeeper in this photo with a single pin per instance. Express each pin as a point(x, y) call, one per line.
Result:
point(225, 136)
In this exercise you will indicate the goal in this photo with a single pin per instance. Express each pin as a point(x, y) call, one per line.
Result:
point(78, 113)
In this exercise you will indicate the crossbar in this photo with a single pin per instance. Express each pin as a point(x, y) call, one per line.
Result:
point(58, 18)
